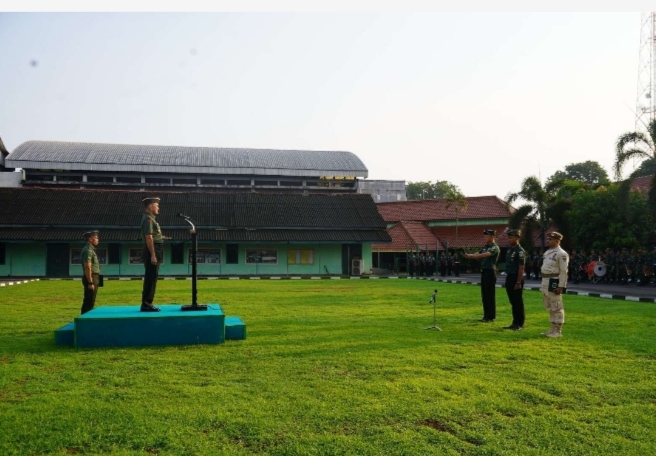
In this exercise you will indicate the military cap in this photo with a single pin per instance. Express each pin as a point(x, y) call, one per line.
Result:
point(516, 233)
point(490, 232)
point(150, 200)
point(89, 234)
point(555, 235)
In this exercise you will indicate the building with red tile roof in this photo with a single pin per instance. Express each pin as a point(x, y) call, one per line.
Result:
point(428, 225)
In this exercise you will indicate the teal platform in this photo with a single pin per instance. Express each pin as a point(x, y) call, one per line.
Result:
point(126, 326)
point(235, 328)
point(65, 335)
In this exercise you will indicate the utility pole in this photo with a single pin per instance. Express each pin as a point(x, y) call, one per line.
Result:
point(646, 96)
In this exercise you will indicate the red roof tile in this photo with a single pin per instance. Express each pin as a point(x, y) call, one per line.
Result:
point(640, 184)
point(478, 207)
point(407, 235)
point(468, 236)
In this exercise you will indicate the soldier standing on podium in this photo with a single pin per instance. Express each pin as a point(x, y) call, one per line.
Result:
point(152, 253)
point(90, 270)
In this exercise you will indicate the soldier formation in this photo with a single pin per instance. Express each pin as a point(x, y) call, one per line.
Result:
point(421, 264)
point(621, 266)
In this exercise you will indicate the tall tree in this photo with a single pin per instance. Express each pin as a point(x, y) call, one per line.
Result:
point(534, 212)
point(429, 190)
point(597, 224)
point(646, 168)
point(457, 201)
point(637, 145)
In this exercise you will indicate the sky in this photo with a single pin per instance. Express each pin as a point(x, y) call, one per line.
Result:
point(482, 100)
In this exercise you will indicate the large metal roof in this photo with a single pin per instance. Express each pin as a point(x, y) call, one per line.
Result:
point(183, 159)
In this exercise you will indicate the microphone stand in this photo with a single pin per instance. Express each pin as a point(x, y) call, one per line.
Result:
point(433, 300)
point(194, 290)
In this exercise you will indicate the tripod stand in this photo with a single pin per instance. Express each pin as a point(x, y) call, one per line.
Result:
point(433, 300)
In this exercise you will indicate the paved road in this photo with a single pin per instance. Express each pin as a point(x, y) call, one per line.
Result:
point(648, 291)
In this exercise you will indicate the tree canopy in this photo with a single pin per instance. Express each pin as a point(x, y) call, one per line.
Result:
point(429, 190)
point(590, 173)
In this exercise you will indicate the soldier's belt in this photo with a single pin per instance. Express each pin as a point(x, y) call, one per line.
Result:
point(549, 276)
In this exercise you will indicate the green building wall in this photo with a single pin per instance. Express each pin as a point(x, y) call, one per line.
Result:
point(24, 260)
point(29, 259)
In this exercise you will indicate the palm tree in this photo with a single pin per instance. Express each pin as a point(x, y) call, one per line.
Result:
point(457, 201)
point(534, 213)
point(637, 145)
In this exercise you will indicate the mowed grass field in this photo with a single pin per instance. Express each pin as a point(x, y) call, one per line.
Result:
point(332, 367)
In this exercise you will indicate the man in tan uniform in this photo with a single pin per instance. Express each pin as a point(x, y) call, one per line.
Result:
point(554, 265)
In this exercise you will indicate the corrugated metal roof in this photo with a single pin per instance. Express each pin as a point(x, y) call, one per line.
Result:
point(183, 159)
point(65, 208)
point(204, 235)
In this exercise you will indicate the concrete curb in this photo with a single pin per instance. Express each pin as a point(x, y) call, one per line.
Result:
point(18, 282)
point(569, 292)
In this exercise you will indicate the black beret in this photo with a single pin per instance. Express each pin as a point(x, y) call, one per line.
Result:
point(490, 232)
point(516, 233)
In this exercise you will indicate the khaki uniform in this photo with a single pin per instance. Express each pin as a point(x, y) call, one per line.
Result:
point(555, 262)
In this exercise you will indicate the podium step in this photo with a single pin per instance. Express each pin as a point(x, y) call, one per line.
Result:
point(65, 335)
point(235, 328)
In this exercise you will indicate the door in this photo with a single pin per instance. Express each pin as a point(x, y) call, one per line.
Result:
point(349, 252)
point(57, 260)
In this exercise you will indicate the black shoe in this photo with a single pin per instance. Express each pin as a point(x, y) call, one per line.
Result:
point(149, 308)
point(510, 327)
point(517, 328)
point(485, 320)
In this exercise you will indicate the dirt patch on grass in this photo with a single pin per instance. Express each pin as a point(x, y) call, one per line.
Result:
point(438, 425)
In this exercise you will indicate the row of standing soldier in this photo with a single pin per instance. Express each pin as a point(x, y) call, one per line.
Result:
point(424, 265)
point(622, 266)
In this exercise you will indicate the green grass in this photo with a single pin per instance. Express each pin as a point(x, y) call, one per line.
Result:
point(332, 367)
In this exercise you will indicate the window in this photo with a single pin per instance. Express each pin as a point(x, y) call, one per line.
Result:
point(101, 253)
point(128, 180)
point(232, 253)
point(297, 256)
point(135, 256)
point(3, 250)
point(114, 253)
point(177, 254)
point(104, 179)
point(262, 256)
point(266, 183)
point(212, 181)
point(291, 183)
point(158, 180)
point(184, 181)
point(238, 182)
point(207, 256)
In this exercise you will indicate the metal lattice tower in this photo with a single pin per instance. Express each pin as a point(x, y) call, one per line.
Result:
point(646, 98)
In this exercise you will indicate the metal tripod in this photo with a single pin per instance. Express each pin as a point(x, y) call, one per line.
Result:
point(433, 300)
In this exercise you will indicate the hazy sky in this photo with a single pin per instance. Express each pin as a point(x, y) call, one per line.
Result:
point(481, 100)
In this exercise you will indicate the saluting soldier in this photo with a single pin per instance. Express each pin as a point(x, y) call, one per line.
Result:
point(152, 253)
point(90, 270)
point(515, 261)
point(489, 255)
point(554, 266)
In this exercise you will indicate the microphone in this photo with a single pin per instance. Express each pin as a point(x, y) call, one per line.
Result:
point(184, 216)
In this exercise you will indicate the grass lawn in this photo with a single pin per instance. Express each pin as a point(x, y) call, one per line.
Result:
point(332, 367)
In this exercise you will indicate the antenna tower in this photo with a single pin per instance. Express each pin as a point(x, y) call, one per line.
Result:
point(646, 99)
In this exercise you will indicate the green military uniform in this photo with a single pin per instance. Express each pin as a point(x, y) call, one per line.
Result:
point(88, 255)
point(149, 226)
point(515, 258)
point(489, 278)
